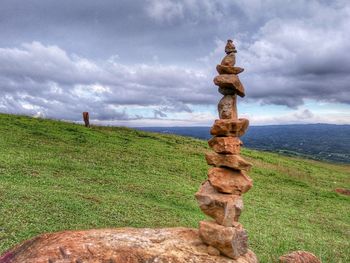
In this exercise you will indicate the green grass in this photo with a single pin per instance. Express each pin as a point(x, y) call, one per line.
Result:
point(56, 176)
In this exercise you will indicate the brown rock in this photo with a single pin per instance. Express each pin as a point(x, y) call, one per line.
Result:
point(231, 241)
point(227, 107)
point(228, 69)
point(299, 257)
point(213, 251)
point(229, 181)
point(227, 91)
point(224, 208)
point(231, 145)
point(229, 60)
point(343, 191)
point(86, 119)
point(227, 127)
point(230, 82)
point(230, 47)
point(233, 161)
point(123, 245)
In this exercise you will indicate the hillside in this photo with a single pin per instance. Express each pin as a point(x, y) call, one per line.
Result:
point(56, 175)
point(301, 140)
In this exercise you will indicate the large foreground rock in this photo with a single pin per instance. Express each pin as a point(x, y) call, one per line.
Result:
point(123, 245)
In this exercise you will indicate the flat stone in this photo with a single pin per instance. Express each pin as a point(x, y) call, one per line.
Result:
point(228, 69)
point(230, 82)
point(233, 161)
point(224, 208)
point(229, 127)
point(229, 181)
point(121, 245)
point(227, 107)
point(231, 241)
point(230, 145)
point(229, 60)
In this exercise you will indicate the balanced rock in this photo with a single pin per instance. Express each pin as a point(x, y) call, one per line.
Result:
point(229, 60)
point(230, 82)
point(122, 245)
point(231, 241)
point(229, 181)
point(227, 107)
point(224, 208)
point(230, 47)
point(230, 145)
point(229, 69)
point(229, 127)
point(233, 161)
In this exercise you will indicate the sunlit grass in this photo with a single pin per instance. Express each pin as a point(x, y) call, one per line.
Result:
point(56, 176)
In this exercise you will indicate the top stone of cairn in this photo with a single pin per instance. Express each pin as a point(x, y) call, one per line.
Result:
point(230, 47)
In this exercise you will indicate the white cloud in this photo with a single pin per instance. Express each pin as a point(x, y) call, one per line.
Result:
point(38, 78)
point(165, 10)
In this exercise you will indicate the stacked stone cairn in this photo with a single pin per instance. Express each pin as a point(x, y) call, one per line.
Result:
point(220, 197)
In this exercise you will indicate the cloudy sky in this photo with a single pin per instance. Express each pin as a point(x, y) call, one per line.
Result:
point(152, 62)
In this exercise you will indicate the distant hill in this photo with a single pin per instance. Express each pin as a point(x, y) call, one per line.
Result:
point(56, 176)
point(316, 141)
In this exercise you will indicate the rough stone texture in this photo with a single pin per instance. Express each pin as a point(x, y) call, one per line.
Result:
point(230, 81)
point(213, 251)
point(233, 161)
point(227, 107)
point(343, 191)
point(123, 245)
point(224, 208)
point(229, 181)
point(299, 257)
point(227, 91)
point(230, 145)
point(229, 60)
point(231, 241)
point(227, 127)
point(228, 69)
point(230, 47)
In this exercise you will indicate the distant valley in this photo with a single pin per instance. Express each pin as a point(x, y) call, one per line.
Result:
point(316, 141)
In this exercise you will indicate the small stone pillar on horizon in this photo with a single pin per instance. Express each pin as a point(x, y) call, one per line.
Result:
point(220, 197)
point(86, 119)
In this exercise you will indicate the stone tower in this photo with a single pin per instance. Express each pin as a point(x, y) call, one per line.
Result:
point(220, 197)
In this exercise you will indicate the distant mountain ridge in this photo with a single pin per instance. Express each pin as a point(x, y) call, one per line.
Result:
point(317, 141)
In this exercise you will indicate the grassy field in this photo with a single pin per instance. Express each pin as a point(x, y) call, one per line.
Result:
point(56, 176)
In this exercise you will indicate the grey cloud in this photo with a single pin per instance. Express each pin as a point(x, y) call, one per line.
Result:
point(158, 113)
point(292, 60)
point(305, 114)
point(100, 55)
point(46, 79)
